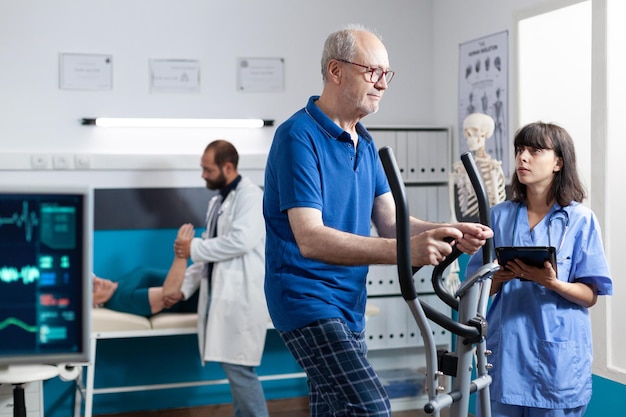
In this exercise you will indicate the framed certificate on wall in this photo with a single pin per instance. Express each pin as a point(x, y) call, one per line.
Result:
point(85, 71)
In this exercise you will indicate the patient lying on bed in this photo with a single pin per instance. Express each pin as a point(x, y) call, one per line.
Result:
point(140, 291)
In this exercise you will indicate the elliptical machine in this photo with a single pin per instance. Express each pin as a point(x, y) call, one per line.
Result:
point(470, 301)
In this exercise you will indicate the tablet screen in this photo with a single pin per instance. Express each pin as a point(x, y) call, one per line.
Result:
point(531, 255)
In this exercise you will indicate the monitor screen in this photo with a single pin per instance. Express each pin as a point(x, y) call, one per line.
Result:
point(45, 275)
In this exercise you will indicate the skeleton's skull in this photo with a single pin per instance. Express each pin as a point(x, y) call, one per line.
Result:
point(477, 127)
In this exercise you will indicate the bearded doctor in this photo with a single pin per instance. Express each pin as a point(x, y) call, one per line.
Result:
point(228, 268)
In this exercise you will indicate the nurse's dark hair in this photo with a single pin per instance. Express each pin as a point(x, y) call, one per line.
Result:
point(224, 152)
point(566, 184)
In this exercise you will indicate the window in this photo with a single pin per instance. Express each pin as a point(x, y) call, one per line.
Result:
point(554, 67)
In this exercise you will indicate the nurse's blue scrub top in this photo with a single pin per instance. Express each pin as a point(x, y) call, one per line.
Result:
point(541, 343)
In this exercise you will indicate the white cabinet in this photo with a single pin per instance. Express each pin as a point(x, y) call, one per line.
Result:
point(422, 154)
point(394, 341)
point(394, 326)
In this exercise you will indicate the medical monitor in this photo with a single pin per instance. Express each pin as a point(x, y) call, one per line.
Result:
point(45, 274)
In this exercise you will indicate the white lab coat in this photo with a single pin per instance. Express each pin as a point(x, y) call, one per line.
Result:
point(235, 327)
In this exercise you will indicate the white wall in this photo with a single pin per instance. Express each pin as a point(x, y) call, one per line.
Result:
point(36, 115)
point(456, 22)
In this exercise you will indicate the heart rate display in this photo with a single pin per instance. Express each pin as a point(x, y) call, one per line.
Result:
point(44, 275)
point(27, 220)
point(12, 321)
point(26, 274)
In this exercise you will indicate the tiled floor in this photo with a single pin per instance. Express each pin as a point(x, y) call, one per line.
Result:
point(293, 407)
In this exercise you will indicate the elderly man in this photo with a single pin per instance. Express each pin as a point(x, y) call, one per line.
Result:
point(324, 185)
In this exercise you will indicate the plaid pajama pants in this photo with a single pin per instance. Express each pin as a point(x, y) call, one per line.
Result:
point(341, 379)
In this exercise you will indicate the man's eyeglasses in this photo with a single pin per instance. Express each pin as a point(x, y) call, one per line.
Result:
point(375, 73)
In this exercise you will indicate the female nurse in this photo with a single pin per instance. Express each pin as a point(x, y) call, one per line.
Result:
point(539, 326)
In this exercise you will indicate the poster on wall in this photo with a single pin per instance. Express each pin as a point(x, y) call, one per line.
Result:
point(484, 90)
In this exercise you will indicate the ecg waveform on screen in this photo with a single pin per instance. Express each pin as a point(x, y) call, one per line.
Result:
point(16, 322)
point(27, 274)
point(27, 220)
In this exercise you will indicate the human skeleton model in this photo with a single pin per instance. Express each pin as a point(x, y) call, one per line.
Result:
point(478, 127)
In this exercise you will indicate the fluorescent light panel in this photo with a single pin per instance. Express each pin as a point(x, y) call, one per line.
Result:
point(177, 123)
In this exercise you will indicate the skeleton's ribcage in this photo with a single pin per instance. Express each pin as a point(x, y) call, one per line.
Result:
point(493, 180)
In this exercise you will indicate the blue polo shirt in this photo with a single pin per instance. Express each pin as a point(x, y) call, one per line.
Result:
point(312, 163)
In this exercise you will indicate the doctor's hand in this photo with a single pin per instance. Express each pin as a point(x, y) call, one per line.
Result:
point(170, 300)
point(182, 244)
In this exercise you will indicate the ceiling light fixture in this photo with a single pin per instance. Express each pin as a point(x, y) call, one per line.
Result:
point(180, 123)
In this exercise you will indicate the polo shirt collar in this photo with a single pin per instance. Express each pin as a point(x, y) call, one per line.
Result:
point(333, 130)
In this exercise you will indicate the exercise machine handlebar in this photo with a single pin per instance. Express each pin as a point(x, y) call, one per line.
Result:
point(405, 270)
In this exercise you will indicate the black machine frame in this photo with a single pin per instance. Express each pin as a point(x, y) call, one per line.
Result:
point(470, 301)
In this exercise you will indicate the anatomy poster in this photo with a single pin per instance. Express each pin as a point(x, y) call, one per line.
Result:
point(484, 88)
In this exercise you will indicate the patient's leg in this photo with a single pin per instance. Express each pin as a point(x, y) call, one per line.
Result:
point(155, 297)
point(173, 282)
